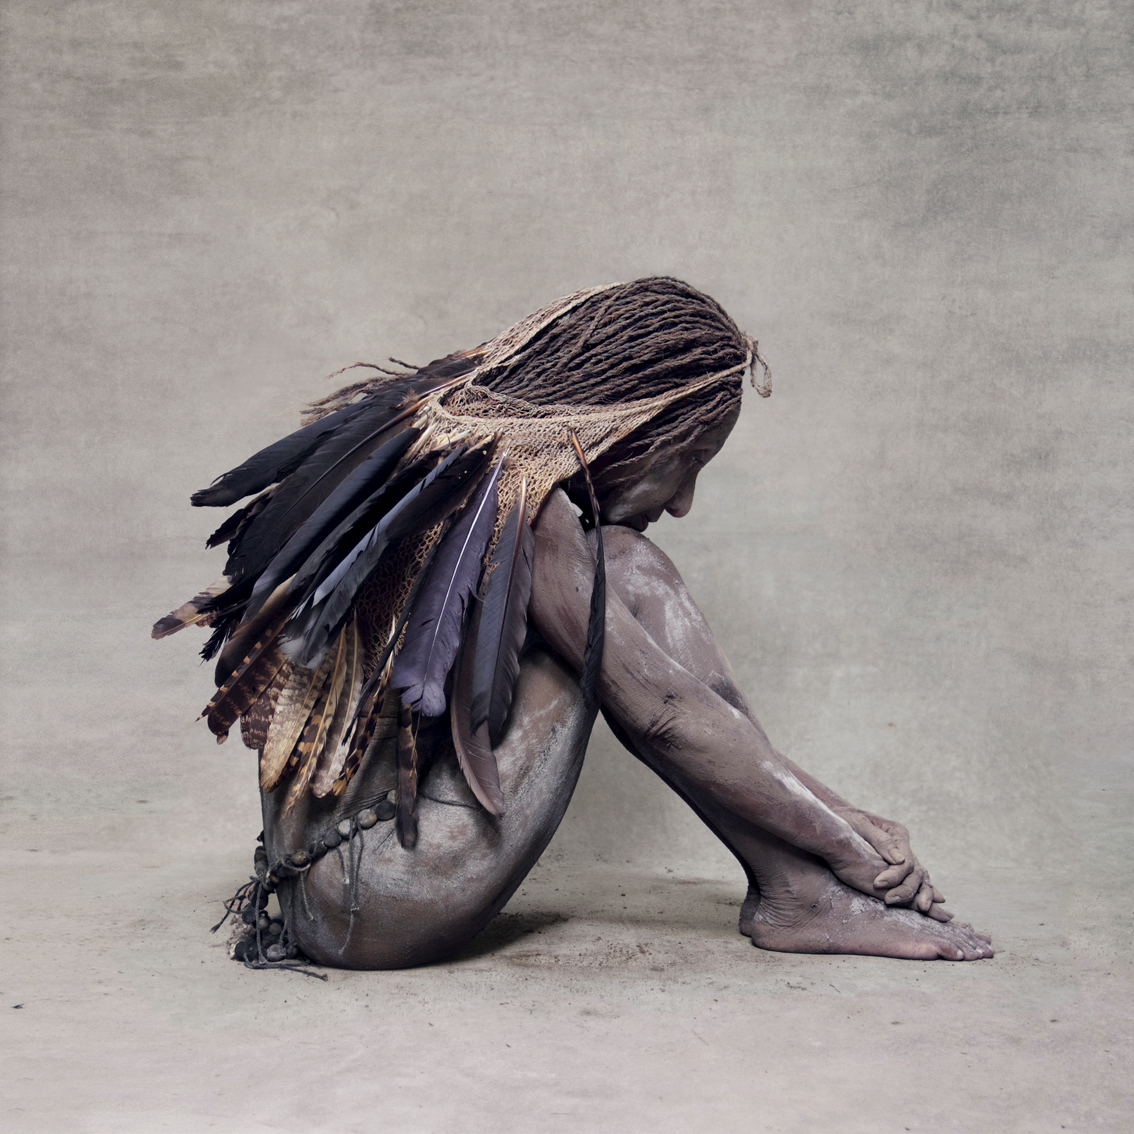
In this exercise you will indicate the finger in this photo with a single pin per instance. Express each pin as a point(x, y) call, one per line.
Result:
point(924, 899)
point(937, 895)
point(887, 846)
point(939, 913)
point(891, 826)
point(902, 895)
point(895, 875)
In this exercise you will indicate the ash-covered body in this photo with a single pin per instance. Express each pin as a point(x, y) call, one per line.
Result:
point(415, 755)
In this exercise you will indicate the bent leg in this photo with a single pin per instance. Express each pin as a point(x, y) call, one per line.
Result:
point(378, 905)
point(795, 903)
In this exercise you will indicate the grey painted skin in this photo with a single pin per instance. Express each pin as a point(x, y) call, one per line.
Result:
point(824, 876)
point(416, 906)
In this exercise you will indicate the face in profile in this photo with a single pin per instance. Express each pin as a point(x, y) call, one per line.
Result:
point(636, 493)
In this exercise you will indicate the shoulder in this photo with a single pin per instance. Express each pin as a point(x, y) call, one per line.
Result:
point(633, 550)
point(635, 567)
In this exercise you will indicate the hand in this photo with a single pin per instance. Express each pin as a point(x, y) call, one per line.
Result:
point(905, 882)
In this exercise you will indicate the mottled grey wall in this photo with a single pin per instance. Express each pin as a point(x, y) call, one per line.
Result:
point(916, 552)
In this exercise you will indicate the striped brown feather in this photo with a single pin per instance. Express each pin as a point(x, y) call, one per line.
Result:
point(315, 731)
point(291, 716)
point(406, 821)
point(189, 613)
point(330, 759)
point(254, 723)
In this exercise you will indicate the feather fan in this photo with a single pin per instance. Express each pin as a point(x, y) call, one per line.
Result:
point(503, 622)
point(329, 598)
point(433, 633)
point(596, 621)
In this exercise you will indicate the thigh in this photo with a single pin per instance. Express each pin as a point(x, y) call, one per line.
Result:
point(373, 904)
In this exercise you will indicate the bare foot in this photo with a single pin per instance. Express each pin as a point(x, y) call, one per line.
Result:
point(813, 912)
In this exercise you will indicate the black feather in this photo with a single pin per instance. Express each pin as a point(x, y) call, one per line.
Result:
point(284, 457)
point(308, 487)
point(368, 479)
point(328, 596)
point(474, 749)
point(596, 621)
point(236, 524)
point(273, 463)
point(503, 622)
point(433, 634)
point(374, 680)
point(359, 524)
point(222, 626)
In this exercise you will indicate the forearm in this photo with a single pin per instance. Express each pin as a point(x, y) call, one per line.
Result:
point(713, 747)
point(818, 789)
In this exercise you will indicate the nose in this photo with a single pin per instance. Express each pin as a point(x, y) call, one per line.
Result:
point(682, 500)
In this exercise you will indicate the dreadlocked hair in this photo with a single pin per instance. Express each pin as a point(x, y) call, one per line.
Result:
point(628, 342)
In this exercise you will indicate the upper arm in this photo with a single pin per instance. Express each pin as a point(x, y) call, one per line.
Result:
point(650, 691)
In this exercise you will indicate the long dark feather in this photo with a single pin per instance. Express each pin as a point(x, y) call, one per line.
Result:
point(236, 524)
point(503, 622)
point(329, 597)
point(273, 463)
point(282, 458)
point(366, 480)
point(222, 625)
point(433, 633)
point(381, 672)
point(358, 526)
point(596, 621)
point(407, 779)
point(309, 486)
point(474, 750)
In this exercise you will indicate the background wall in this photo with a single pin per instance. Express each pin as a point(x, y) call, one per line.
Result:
point(916, 553)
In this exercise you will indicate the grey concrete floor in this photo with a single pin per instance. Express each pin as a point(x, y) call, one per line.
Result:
point(916, 553)
point(606, 997)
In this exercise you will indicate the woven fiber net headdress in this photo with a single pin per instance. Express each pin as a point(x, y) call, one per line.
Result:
point(385, 566)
